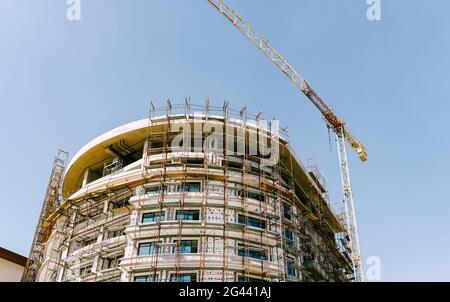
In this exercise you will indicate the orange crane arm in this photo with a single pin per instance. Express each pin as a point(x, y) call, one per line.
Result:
point(343, 135)
point(333, 121)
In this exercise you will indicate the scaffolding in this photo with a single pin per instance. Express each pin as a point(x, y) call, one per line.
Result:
point(204, 215)
point(254, 221)
point(51, 202)
point(87, 238)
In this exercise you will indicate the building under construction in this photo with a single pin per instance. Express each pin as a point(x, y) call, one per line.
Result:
point(189, 194)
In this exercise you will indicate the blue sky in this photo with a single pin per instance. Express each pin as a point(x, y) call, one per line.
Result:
point(64, 83)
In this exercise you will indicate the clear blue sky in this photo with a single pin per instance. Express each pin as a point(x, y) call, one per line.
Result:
point(64, 83)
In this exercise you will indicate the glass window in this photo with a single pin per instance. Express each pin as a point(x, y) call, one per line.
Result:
point(108, 263)
point(187, 215)
point(249, 279)
point(89, 242)
point(146, 278)
point(190, 187)
point(257, 223)
point(85, 270)
point(187, 247)
point(183, 278)
point(152, 190)
point(141, 279)
point(116, 233)
point(252, 253)
point(287, 211)
point(145, 249)
point(256, 196)
point(195, 161)
point(255, 169)
point(251, 221)
point(155, 190)
point(153, 217)
point(290, 267)
point(288, 234)
point(121, 203)
point(112, 262)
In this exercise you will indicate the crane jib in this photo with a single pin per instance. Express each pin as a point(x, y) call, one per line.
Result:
point(342, 133)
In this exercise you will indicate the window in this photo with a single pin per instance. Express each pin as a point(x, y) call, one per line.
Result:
point(232, 164)
point(288, 235)
point(108, 263)
point(145, 249)
point(116, 233)
point(153, 217)
point(112, 262)
point(255, 169)
point(121, 203)
point(187, 215)
point(89, 242)
point(152, 190)
point(290, 268)
point(141, 279)
point(252, 253)
point(257, 223)
point(85, 270)
point(195, 161)
point(256, 196)
point(251, 221)
point(146, 278)
point(183, 278)
point(249, 279)
point(190, 187)
point(94, 213)
point(155, 190)
point(234, 192)
point(287, 211)
point(186, 247)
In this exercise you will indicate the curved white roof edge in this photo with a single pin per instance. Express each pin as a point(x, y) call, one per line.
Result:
point(142, 123)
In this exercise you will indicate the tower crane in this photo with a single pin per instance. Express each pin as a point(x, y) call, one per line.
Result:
point(343, 135)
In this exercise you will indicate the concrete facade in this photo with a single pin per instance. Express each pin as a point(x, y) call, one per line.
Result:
point(11, 266)
point(138, 209)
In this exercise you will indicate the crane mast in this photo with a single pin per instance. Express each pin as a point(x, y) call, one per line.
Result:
point(343, 135)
